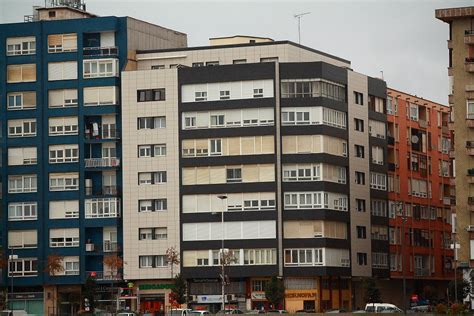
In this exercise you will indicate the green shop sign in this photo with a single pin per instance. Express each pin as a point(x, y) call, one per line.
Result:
point(155, 286)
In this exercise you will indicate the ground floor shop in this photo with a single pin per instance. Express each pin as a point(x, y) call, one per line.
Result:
point(151, 296)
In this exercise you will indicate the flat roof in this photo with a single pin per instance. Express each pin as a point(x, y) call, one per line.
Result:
point(449, 14)
point(418, 97)
point(242, 45)
point(246, 36)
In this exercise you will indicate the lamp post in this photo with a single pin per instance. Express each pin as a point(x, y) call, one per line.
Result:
point(10, 274)
point(223, 198)
point(455, 267)
point(404, 221)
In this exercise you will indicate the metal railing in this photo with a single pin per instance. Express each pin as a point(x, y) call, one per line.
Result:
point(105, 190)
point(101, 162)
point(105, 246)
point(105, 133)
point(104, 275)
point(101, 51)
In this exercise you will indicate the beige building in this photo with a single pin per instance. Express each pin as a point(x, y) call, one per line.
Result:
point(461, 100)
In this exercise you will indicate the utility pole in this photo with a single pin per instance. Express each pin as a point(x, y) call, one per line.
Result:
point(223, 198)
point(298, 16)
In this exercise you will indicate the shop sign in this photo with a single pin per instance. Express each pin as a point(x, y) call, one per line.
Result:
point(143, 287)
point(300, 295)
point(26, 296)
point(258, 296)
point(209, 299)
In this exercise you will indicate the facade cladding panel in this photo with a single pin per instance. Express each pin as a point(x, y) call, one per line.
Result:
point(73, 181)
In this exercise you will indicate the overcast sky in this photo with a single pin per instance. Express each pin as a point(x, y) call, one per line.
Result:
point(401, 38)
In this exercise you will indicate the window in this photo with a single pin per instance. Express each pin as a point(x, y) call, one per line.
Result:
point(97, 96)
point(62, 98)
point(234, 175)
point(379, 232)
point(21, 46)
point(63, 126)
point(362, 258)
point(157, 177)
point(64, 153)
point(22, 239)
point(64, 209)
point(470, 109)
point(414, 112)
point(379, 260)
point(22, 156)
point(360, 177)
point(151, 95)
point(64, 237)
point(259, 285)
point(258, 256)
point(102, 208)
point(239, 61)
point(228, 118)
point(377, 104)
point(155, 205)
point(22, 183)
point(258, 93)
point(212, 63)
point(315, 200)
point(378, 181)
point(358, 98)
point(25, 100)
point(269, 60)
point(21, 128)
point(96, 68)
point(314, 172)
point(359, 125)
point(224, 95)
point(157, 67)
point(359, 151)
point(198, 64)
point(58, 43)
point(390, 108)
point(215, 147)
point(23, 267)
point(377, 155)
point(158, 261)
point(22, 211)
point(66, 70)
point(70, 266)
point(158, 150)
point(379, 208)
point(200, 96)
point(312, 88)
point(64, 181)
point(377, 129)
point(152, 122)
point(361, 232)
point(304, 257)
point(21, 73)
point(152, 233)
point(360, 205)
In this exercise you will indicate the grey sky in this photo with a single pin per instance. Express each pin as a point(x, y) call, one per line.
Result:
point(402, 38)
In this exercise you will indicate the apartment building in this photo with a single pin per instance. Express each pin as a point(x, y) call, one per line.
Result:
point(258, 162)
point(62, 151)
point(419, 178)
point(461, 101)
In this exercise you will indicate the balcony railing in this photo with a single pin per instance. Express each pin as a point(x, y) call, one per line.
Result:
point(422, 272)
point(101, 51)
point(101, 162)
point(106, 133)
point(422, 123)
point(105, 190)
point(104, 276)
point(106, 246)
point(469, 37)
point(446, 200)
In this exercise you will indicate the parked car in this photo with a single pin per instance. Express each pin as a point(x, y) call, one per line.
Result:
point(277, 311)
point(228, 312)
point(421, 309)
point(200, 313)
point(179, 312)
point(382, 308)
point(255, 311)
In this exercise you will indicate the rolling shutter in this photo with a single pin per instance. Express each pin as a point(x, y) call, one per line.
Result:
point(14, 73)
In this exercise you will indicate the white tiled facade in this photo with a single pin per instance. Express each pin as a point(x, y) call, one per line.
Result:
point(132, 165)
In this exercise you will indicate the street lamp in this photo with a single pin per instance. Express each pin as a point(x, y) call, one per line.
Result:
point(10, 273)
point(404, 221)
point(455, 267)
point(223, 198)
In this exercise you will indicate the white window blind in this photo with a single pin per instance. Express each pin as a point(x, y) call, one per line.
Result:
point(22, 156)
point(62, 70)
point(64, 209)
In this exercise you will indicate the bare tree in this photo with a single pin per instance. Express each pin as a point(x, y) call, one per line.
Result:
point(54, 264)
point(115, 263)
point(172, 258)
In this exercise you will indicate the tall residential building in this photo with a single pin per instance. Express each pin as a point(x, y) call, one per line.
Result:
point(247, 145)
point(419, 210)
point(461, 100)
point(62, 150)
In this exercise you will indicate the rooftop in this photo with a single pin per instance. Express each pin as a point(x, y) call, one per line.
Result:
point(449, 14)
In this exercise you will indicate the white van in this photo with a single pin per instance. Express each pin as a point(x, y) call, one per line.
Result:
point(382, 308)
point(179, 312)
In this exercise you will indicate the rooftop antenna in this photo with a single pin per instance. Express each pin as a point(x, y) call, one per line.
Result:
point(298, 16)
point(381, 71)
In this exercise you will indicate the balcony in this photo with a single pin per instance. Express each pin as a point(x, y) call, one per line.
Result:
point(469, 37)
point(422, 272)
point(100, 51)
point(102, 208)
point(103, 191)
point(469, 64)
point(391, 140)
point(422, 123)
point(101, 162)
point(470, 121)
point(104, 134)
point(391, 166)
point(470, 200)
point(104, 275)
point(106, 246)
point(447, 201)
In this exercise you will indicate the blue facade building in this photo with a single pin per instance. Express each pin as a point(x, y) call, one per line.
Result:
point(61, 150)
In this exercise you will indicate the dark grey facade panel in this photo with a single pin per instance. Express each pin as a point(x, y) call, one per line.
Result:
point(226, 104)
point(378, 194)
point(379, 220)
point(377, 87)
point(319, 101)
point(231, 244)
point(314, 130)
point(229, 188)
point(317, 69)
point(377, 116)
point(228, 160)
point(319, 214)
point(227, 132)
point(232, 272)
point(316, 271)
point(229, 216)
point(316, 243)
point(315, 158)
point(315, 186)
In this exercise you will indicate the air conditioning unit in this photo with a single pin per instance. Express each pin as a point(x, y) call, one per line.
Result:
point(230, 297)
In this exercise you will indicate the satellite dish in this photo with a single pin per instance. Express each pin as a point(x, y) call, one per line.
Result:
point(415, 139)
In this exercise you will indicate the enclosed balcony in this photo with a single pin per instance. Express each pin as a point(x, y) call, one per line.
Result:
point(469, 37)
point(470, 148)
point(102, 208)
point(99, 44)
point(469, 64)
point(104, 275)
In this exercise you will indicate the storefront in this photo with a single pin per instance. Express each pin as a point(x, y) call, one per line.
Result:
point(153, 298)
point(296, 300)
point(31, 302)
point(259, 301)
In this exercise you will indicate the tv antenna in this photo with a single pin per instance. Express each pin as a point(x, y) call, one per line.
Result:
point(299, 16)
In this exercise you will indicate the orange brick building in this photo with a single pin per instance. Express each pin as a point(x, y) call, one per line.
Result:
point(419, 196)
